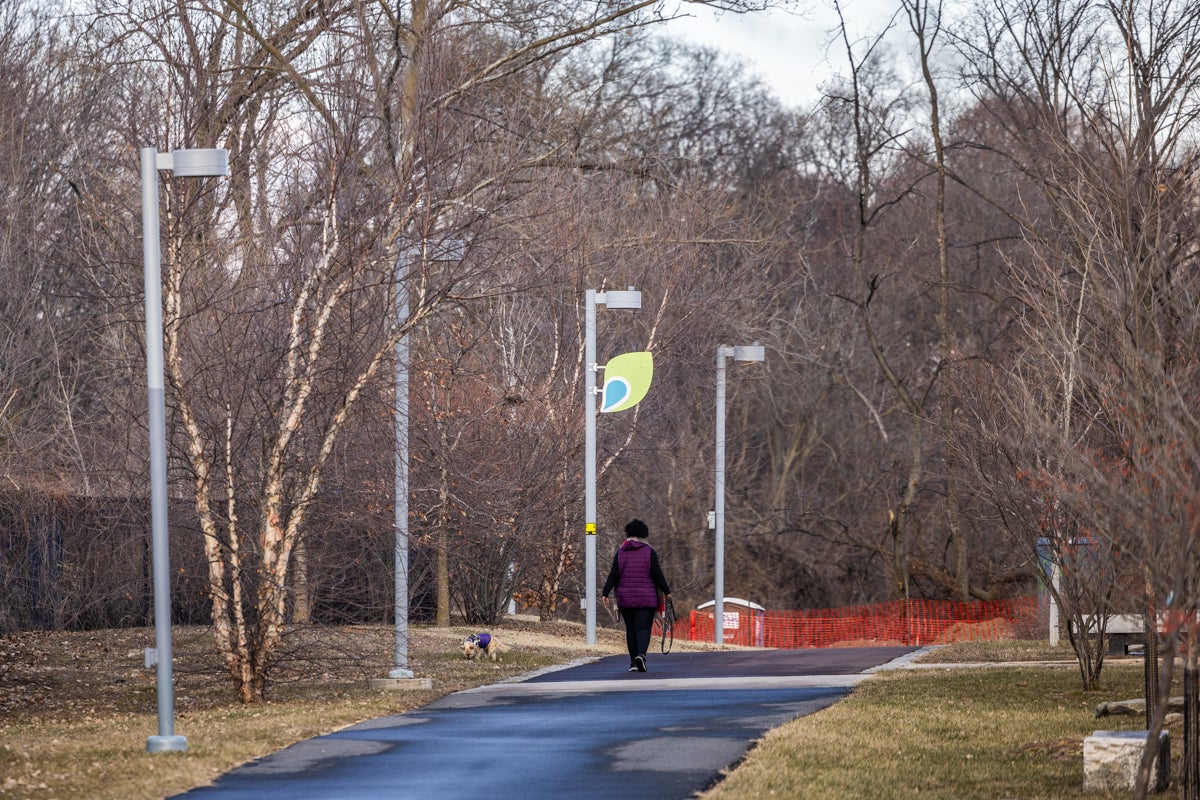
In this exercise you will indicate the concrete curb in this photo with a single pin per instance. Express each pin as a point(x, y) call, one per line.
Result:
point(903, 662)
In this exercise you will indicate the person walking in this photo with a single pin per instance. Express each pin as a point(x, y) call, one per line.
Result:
point(637, 578)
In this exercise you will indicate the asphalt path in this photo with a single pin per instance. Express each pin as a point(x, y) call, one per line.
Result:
point(592, 731)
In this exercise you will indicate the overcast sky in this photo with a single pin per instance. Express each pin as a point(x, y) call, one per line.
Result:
point(787, 48)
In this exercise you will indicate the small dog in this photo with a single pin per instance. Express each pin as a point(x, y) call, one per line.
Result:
point(484, 644)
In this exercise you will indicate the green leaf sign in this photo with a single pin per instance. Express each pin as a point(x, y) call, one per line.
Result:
point(626, 381)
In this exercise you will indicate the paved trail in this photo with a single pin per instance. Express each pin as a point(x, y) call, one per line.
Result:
point(592, 731)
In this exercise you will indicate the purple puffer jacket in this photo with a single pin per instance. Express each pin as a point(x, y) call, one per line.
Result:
point(636, 588)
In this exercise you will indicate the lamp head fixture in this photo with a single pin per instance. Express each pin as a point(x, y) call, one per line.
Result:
point(621, 299)
point(211, 162)
point(754, 352)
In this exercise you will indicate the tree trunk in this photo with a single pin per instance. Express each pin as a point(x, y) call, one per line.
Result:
point(958, 544)
point(443, 578)
point(898, 519)
point(552, 579)
point(1150, 662)
point(1191, 716)
point(301, 597)
point(925, 22)
point(442, 546)
point(1141, 785)
point(1086, 642)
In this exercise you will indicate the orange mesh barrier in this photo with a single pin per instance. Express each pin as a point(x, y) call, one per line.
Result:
point(906, 622)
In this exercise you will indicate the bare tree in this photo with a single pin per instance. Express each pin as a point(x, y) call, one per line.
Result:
point(878, 120)
point(1096, 98)
point(354, 133)
point(50, 420)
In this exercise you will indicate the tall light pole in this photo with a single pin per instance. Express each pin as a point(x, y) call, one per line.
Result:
point(748, 353)
point(448, 250)
point(197, 163)
point(628, 299)
point(400, 669)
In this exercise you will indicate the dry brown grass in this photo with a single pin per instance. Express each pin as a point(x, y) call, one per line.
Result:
point(946, 734)
point(1006, 650)
point(76, 708)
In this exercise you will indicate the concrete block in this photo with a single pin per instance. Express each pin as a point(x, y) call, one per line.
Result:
point(1110, 760)
point(402, 684)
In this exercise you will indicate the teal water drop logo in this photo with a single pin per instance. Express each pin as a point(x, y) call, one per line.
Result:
point(626, 380)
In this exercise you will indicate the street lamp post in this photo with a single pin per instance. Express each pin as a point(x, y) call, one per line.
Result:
point(748, 353)
point(400, 669)
point(182, 164)
point(628, 299)
point(448, 250)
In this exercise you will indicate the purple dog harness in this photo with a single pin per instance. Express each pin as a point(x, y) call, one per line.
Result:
point(481, 639)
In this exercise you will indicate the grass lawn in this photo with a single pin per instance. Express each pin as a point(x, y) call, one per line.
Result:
point(961, 733)
point(76, 710)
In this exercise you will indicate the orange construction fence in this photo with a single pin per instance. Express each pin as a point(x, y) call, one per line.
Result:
point(907, 622)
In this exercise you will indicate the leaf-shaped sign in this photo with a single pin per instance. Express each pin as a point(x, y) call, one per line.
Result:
point(626, 381)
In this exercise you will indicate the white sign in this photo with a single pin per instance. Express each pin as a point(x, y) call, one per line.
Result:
point(731, 619)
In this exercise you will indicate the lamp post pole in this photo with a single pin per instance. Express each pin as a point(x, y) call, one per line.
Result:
point(400, 668)
point(182, 163)
point(750, 353)
point(628, 299)
point(719, 506)
point(445, 251)
point(589, 467)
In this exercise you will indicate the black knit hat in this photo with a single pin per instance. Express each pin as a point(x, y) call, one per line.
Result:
point(636, 529)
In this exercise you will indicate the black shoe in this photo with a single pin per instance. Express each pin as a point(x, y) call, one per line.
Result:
point(639, 664)
point(633, 668)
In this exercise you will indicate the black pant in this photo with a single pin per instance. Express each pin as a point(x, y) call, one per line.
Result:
point(638, 624)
